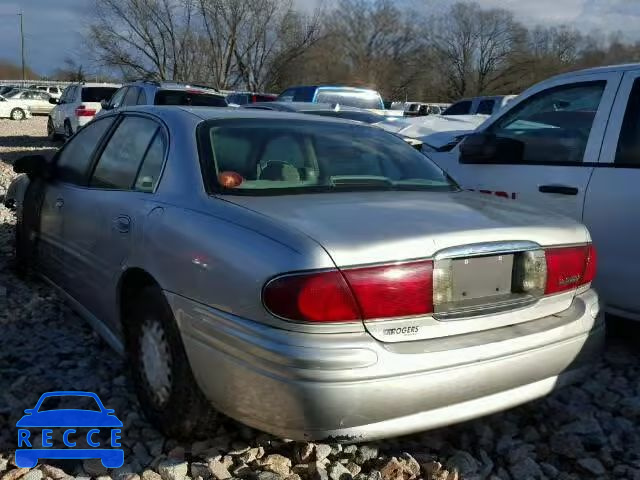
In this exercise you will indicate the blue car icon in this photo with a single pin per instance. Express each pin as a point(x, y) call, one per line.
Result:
point(69, 419)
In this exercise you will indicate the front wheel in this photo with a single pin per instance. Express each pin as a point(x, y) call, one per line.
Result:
point(165, 385)
point(18, 114)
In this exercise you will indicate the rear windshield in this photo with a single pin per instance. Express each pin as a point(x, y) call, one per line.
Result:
point(97, 94)
point(350, 98)
point(263, 156)
point(191, 98)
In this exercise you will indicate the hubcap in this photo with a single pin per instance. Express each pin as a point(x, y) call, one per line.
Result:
point(17, 115)
point(156, 361)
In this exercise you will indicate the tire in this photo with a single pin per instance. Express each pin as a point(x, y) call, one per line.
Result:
point(51, 131)
point(18, 114)
point(68, 131)
point(162, 376)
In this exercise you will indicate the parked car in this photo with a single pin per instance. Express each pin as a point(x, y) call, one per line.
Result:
point(570, 144)
point(323, 109)
point(347, 96)
point(39, 102)
point(244, 98)
point(479, 105)
point(54, 91)
point(315, 262)
point(420, 109)
point(423, 127)
point(76, 107)
point(4, 89)
point(163, 93)
point(14, 109)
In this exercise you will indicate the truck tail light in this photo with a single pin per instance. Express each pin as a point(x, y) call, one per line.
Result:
point(353, 294)
point(83, 111)
point(569, 267)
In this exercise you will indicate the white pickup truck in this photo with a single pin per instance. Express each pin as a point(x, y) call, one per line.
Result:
point(570, 144)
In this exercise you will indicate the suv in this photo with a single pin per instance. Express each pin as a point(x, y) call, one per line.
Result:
point(479, 105)
point(76, 107)
point(347, 96)
point(147, 92)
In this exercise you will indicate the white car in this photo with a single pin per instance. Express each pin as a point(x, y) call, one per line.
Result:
point(78, 105)
point(570, 144)
point(39, 102)
point(423, 127)
point(14, 109)
point(54, 91)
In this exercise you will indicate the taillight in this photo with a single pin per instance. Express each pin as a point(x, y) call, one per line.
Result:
point(311, 297)
point(569, 268)
point(357, 293)
point(82, 111)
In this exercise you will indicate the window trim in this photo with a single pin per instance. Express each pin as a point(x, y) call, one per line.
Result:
point(121, 116)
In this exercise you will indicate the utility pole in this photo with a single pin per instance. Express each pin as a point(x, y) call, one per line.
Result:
point(22, 44)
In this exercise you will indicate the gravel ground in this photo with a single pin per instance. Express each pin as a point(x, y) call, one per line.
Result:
point(585, 431)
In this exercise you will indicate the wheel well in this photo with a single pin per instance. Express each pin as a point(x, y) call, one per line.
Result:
point(131, 283)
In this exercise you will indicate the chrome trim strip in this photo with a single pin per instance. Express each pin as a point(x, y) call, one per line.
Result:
point(486, 248)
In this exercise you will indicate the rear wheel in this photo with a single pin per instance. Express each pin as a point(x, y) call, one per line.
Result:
point(51, 131)
point(68, 131)
point(18, 114)
point(165, 385)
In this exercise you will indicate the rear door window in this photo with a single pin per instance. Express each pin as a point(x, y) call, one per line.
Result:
point(190, 98)
point(628, 150)
point(118, 165)
point(151, 169)
point(97, 94)
point(118, 97)
point(142, 98)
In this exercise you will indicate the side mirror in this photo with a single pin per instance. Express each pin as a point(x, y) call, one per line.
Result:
point(35, 166)
point(29, 411)
point(54, 101)
point(105, 105)
point(485, 147)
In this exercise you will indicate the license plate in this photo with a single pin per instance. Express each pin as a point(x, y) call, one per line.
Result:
point(481, 277)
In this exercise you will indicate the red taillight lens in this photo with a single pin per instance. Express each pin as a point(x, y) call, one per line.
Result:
point(569, 268)
point(393, 290)
point(367, 293)
point(311, 297)
point(83, 111)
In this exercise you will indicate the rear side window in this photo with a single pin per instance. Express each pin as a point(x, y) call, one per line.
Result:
point(151, 168)
point(142, 98)
point(118, 97)
point(118, 165)
point(459, 108)
point(552, 126)
point(485, 107)
point(628, 151)
point(97, 94)
point(191, 98)
point(74, 159)
point(54, 90)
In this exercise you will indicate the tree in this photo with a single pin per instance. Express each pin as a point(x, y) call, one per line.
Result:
point(474, 46)
point(143, 38)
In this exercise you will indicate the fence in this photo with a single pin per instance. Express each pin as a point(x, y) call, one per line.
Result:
point(28, 83)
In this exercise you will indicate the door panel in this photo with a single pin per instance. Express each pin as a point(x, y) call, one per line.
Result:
point(51, 259)
point(611, 206)
point(561, 137)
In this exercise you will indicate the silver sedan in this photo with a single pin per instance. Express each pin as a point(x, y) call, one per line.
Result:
point(311, 277)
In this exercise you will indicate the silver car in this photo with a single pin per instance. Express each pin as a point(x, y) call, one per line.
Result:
point(311, 277)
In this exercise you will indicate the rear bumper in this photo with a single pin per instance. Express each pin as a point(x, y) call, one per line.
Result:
point(352, 387)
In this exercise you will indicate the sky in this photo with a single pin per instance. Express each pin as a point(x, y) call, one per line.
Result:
point(53, 28)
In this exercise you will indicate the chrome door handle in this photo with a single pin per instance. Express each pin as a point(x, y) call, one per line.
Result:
point(122, 223)
point(59, 203)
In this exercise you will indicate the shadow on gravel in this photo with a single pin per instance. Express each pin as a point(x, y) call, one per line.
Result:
point(16, 146)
